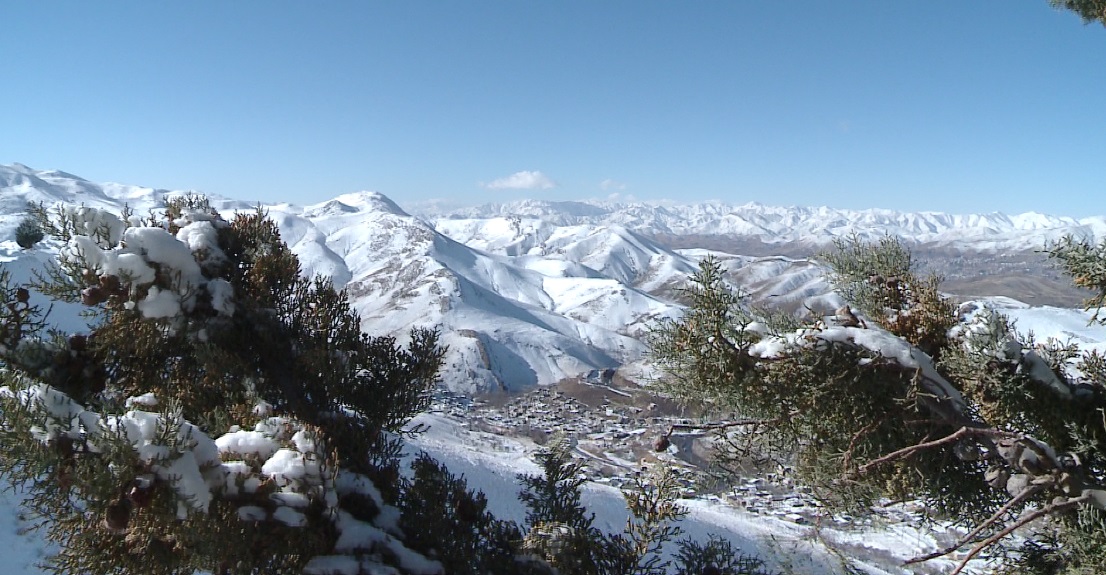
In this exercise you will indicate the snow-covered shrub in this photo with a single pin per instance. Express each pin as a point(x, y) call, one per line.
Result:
point(881, 281)
point(226, 415)
point(903, 397)
point(207, 418)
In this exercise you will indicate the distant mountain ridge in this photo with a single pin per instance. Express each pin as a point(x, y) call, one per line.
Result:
point(810, 225)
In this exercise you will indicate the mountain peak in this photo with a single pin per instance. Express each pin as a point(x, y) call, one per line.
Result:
point(363, 201)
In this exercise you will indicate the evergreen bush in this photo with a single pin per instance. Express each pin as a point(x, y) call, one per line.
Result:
point(28, 233)
point(224, 414)
point(909, 397)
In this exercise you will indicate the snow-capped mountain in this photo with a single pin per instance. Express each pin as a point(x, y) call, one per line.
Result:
point(778, 225)
point(610, 250)
point(533, 292)
point(527, 299)
point(508, 321)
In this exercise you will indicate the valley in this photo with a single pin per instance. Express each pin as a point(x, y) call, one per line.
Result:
point(967, 273)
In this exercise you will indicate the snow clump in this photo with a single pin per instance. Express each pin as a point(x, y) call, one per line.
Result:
point(165, 272)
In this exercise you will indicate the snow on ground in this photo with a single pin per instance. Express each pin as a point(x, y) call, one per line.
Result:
point(492, 463)
point(1060, 323)
point(22, 266)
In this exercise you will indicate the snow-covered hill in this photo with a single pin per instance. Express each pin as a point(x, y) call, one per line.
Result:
point(509, 322)
point(541, 291)
point(533, 292)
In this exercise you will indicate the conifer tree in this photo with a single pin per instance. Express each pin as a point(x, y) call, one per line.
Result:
point(902, 395)
point(1088, 10)
point(224, 414)
point(28, 233)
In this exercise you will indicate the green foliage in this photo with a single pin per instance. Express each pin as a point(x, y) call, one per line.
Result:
point(653, 509)
point(916, 402)
point(109, 512)
point(857, 264)
point(1072, 547)
point(249, 336)
point(997, 375)
point(20, 322)
point(28, 233)
point(562, 534)
point(448, 522)
point(880, 280)
point(825, 406)
point(1085, 263)
point(1088, 10)
point(561, 531)
point(695, 558)
point(706, 350)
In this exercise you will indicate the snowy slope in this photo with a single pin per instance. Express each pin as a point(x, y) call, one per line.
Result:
point(610, 250)
point(508, 322)
point(1064, 325)
point(519, 302)
point(796, 285)
point(541, 291)
point(533, 292)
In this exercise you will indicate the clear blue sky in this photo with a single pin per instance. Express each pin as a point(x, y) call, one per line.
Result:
point(948, 105)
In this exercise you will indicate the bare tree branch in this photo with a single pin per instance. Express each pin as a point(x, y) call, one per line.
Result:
point(1022, 521)
point(1024, 495)
point(953, 437)
point(718, 425)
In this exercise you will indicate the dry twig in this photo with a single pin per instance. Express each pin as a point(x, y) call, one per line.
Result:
point(1026, 494)
point(953, 437)
point(1022, 521)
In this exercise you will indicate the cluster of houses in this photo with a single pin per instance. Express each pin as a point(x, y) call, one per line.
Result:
point(616, 437)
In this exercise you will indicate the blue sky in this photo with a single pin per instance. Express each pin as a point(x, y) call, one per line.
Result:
point(945, 105)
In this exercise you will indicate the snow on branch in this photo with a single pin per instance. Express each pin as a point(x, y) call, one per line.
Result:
point(879, 342)
point(274, 472)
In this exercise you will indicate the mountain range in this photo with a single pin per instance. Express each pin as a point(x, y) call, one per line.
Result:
point(532, 292)
point(780, 225)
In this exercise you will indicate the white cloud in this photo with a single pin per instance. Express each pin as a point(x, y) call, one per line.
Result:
point(524, 180)
point(609, 184)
